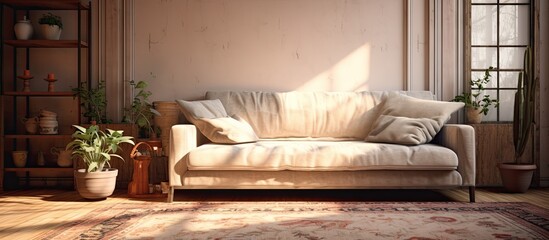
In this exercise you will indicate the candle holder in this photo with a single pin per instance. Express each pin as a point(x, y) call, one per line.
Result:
point(26, 83)
point(50, 79)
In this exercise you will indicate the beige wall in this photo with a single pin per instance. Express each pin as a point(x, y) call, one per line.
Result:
point(184, 48)
point(544, 92)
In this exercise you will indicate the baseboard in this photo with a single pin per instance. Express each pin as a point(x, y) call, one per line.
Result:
point(544, 182)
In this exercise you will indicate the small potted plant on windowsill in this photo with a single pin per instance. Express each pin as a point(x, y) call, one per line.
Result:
point(477, 103)
point(96, 148)
point(517, 176)
point(51, 26)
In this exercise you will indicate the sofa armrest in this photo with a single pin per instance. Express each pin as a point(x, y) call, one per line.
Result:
point(183, 138)
point(461, 139)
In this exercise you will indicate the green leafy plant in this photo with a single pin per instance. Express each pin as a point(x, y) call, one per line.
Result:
point(51, 19)
point(95, 147)
point(141, 111)
point(476, 99)
point(93, 101)
point(523, 114)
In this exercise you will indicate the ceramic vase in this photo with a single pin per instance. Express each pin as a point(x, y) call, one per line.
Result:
point(31, 125)
point(23, 29)
point(63, 156)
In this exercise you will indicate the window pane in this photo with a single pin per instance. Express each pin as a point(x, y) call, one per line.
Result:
point(483, 25)
point(506, 105)
point(482, 58)
point(511, 57)
point(514, 25)
point(480, 74)
point(508, 79)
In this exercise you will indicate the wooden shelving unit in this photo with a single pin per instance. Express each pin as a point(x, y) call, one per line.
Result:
point(46, 43)
point(40, 94)
point(13, 136)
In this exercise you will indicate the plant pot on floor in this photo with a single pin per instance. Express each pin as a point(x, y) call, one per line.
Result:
point(95, 185)
point(516, 178)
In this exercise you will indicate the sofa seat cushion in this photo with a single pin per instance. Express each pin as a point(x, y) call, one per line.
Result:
point(273, 155)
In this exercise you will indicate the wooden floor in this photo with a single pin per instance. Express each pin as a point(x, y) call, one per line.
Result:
point(26, 213)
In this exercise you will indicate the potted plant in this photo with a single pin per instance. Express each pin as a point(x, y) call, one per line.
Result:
point(477, 103)
point(96, 148)
point(517, 176)
point(51, 26)
point(93, 101)
point(141, 111)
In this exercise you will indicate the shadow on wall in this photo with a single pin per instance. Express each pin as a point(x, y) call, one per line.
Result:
point(185, 48)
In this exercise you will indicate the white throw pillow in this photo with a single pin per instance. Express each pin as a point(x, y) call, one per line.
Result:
point(211, 119)
point(429, 115)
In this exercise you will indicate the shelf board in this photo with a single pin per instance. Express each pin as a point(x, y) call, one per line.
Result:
point(40, 169)
point(46, 43)
point(37, 136)
point(46, 5)
point(40, 94)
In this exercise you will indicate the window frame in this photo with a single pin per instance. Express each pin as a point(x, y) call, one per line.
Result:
point(468, 47)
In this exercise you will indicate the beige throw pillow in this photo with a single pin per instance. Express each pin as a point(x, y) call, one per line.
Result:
point(429, 117)
point(227, 130)
point(202, 109)
point(402, 130)
point(211, 119)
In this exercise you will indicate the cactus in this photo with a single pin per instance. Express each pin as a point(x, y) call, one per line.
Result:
point(523, 115)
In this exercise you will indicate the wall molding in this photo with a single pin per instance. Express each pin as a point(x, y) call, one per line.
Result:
point(408, 19)
point(435, 47)
point(110, 52)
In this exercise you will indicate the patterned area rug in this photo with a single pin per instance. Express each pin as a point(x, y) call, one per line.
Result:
point(310, 220)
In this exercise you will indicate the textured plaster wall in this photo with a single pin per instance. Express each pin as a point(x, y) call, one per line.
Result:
point(185, 48)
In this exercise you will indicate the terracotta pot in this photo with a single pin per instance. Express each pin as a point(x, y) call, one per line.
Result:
point(95, 185)
point(50, 32)
point(19, 158)
point(516, 177)
point(474, 116)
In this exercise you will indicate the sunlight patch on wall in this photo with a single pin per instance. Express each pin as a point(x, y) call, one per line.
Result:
point(349, 74)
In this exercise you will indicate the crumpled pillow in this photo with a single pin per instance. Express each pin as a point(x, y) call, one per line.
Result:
point(212, 120)
point(227, 130)
point(402, 130)
point(410, 121)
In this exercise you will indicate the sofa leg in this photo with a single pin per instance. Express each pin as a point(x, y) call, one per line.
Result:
point(472, 194)
point(170, 194)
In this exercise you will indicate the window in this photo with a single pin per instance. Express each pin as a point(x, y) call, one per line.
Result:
point(500, 32)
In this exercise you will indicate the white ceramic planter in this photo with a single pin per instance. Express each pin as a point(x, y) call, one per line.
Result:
point(50, 32)
point(95, 185)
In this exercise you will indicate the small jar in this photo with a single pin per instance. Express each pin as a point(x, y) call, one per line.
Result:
point(23, 29)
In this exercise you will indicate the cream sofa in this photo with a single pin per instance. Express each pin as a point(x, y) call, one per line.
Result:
point(321, 140)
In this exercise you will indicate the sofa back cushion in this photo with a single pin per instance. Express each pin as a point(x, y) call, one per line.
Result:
point(341, 115)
